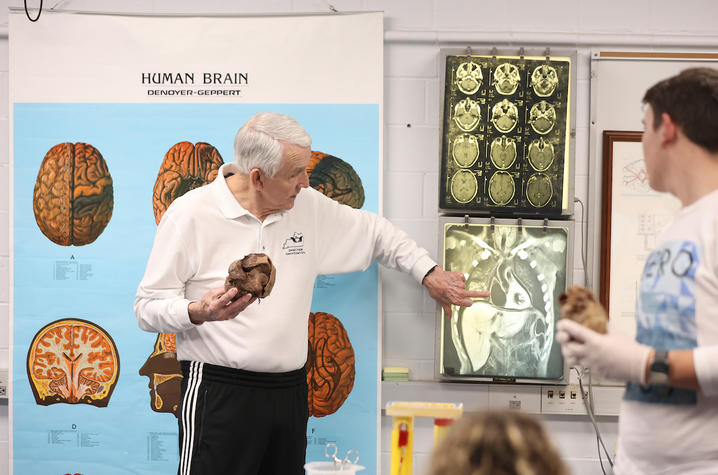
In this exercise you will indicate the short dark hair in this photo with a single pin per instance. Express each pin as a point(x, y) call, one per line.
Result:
point(691, 100)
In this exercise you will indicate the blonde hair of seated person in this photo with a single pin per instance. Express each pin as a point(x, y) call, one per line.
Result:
point(496, 443)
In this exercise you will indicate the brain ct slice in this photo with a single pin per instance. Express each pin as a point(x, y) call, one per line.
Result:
point(541, 154)
point(73, 361)
point(467, 114)
point(330, 364)
point(504, 116)
point(506, 78)
point(464, 186)
point(465, 150)
point(501, 188)
point(469, 77)
point(544, 80)
point(542, 117)
point(539, 190)
point(73, 195)
point(503, 152)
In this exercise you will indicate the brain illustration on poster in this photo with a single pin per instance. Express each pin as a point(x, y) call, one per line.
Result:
point(74, 362)
point(165, 375)
point(72, 199)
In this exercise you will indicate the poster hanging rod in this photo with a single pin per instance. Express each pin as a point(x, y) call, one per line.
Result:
point(332, 11)
point(329, 12)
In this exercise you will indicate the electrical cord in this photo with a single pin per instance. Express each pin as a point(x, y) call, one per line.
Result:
point(589, 410)
point(589, 403)
point(39, 12)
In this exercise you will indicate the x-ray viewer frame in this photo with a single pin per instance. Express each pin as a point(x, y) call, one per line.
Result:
point(508, 337)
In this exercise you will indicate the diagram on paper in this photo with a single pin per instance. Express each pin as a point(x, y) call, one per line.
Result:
point(635, 178)
point(650, 226)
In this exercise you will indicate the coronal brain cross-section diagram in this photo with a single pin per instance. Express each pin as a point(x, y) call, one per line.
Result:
point(511, 333)
point(73, 361)
point(184, 168)
point(336, 179)
point(330, 364)
point(73, 196)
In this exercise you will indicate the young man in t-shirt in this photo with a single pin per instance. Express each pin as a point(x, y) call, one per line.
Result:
point(670, 407)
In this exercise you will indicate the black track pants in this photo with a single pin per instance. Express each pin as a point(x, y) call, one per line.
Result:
point(236, 422)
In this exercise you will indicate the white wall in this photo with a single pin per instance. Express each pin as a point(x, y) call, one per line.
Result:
point(416, 29)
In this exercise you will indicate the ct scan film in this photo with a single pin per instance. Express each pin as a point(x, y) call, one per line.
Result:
point(505, 139)
point(509, 335)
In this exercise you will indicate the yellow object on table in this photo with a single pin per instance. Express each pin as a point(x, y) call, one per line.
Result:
point(402, 434)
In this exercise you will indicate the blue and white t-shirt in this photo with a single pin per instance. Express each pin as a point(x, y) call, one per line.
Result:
point(663, 430)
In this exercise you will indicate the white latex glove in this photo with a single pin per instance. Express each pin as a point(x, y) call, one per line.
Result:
point(613, 356)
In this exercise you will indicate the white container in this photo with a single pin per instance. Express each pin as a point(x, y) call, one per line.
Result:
point(330, 468)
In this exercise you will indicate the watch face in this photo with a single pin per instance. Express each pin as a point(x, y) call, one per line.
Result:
point(659, 368)
point(657, 378)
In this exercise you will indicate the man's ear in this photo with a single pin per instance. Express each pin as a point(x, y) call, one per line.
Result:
point(255, 177)
point(669, 129)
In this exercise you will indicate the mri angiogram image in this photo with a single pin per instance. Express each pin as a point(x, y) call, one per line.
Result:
point(511, 333)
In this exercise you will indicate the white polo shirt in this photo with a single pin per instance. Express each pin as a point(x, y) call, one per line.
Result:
point(205, 230)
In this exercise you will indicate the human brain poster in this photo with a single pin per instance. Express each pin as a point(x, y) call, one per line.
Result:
point(99, 153)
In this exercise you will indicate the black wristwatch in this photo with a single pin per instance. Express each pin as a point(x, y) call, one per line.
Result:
point(659, 368)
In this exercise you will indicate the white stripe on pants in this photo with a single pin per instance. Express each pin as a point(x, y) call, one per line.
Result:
point(189, 406)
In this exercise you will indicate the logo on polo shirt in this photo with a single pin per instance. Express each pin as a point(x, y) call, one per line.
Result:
point(294, 244)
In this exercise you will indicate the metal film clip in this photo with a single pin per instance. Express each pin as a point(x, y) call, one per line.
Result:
point(468, 54)
point(547, 53)
point(519, 224)
point(466, 221)
point(494, 52)
point(545, 225)
point(522, 54)
point(492, 223)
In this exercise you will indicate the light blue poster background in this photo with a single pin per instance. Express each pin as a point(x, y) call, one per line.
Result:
point(127, 436)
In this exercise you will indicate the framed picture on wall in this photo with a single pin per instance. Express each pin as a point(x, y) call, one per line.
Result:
point(632, 216)
point(508, 336)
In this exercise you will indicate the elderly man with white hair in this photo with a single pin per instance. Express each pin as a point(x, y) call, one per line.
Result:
point(244, 389)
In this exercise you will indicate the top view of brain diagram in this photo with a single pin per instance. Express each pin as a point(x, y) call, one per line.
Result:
point(510, 333)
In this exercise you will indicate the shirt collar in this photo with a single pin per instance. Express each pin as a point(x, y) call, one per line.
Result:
point(228, 204)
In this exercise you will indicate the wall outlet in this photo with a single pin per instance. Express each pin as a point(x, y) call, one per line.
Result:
point(563, 400)
point(515, 398)
point(3, 382)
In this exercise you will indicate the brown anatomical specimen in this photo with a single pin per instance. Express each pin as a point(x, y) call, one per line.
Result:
point(253, 274)
point(580, 304)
